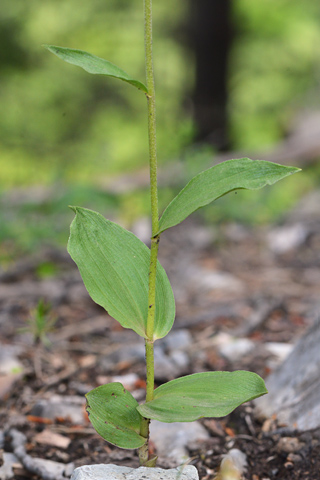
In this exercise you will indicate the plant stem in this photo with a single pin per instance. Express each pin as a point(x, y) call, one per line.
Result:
point(144, 450)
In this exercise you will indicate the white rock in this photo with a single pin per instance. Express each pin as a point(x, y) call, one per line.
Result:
point(289, 237)
point(56, 468)
point(279, 349)
point(178, 339)
point(232, 348)
point(171, 439)
point(115, 472)
point(180, 359)
point(208, 280)
point(6, 469)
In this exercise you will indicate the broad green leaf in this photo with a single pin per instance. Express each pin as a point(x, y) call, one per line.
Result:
point(113, 413)
point(208, 394)
point(93, 64)
point(114, 265)
point(219, 180)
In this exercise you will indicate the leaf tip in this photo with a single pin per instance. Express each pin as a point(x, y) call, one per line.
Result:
point(48, 47)
point(74, 209)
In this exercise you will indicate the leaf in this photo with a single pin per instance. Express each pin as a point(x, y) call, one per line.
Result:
point(113, 413)
point(215, 182)
point(208, 394)
point(114, 265)
point(93, 64)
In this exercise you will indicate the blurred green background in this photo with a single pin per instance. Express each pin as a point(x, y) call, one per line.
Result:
point(73, 132)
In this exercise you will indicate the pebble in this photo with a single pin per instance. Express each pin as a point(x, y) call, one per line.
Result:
point(115, 472)
point(55, 468)
point(164, 368)
point(180, 360)
point(178, 340)
point(232, 348)
point(279, 349)
point(172, 439)
point(69, 407)
point(6, 469)
point(289, 237)
point(289, 445)
point(294, 458)
point(169, 366)
point(207, 280)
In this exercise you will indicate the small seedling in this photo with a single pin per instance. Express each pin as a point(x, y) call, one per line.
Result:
point(122, 275)
point(40, 323)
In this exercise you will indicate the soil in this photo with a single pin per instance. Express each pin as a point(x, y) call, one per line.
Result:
point(226, 281)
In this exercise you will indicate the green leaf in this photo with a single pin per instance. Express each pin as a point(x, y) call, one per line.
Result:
point(208, 394)
point(114, 265)
point(219, 180)
point(93, 64)
point(113, 413)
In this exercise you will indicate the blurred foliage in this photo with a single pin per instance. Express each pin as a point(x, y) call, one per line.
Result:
point(275, 68)
point(61, 123)
point(33, 219)
point(63, 127)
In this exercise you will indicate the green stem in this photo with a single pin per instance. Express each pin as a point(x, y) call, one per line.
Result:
point(144, 451)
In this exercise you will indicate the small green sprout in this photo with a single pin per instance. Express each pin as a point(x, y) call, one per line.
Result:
point(40, 323)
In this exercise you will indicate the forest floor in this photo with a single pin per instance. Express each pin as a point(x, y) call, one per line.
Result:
point(244, 295)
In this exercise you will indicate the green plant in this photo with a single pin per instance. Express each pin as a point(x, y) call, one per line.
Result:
point(124, 276)
point(40, 323)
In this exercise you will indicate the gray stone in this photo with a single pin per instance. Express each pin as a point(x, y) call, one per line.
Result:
point(115, 472)
point(163, 366)
point(172, 439)
point(9, 362)
point(6, 469)
point(180, 360)
point(169, 366)
point(207, 280)
point(56, 469)
point(294, 388)
point(232, 348)
point(178, 340)
point(69, 407)
point(289, 445)
point(279, 349)
point(288, 237)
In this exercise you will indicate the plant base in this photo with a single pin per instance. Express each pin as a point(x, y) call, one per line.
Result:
point(115, 472)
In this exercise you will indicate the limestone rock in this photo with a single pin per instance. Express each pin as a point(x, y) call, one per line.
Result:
point(115, 472)
point(172, 439)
